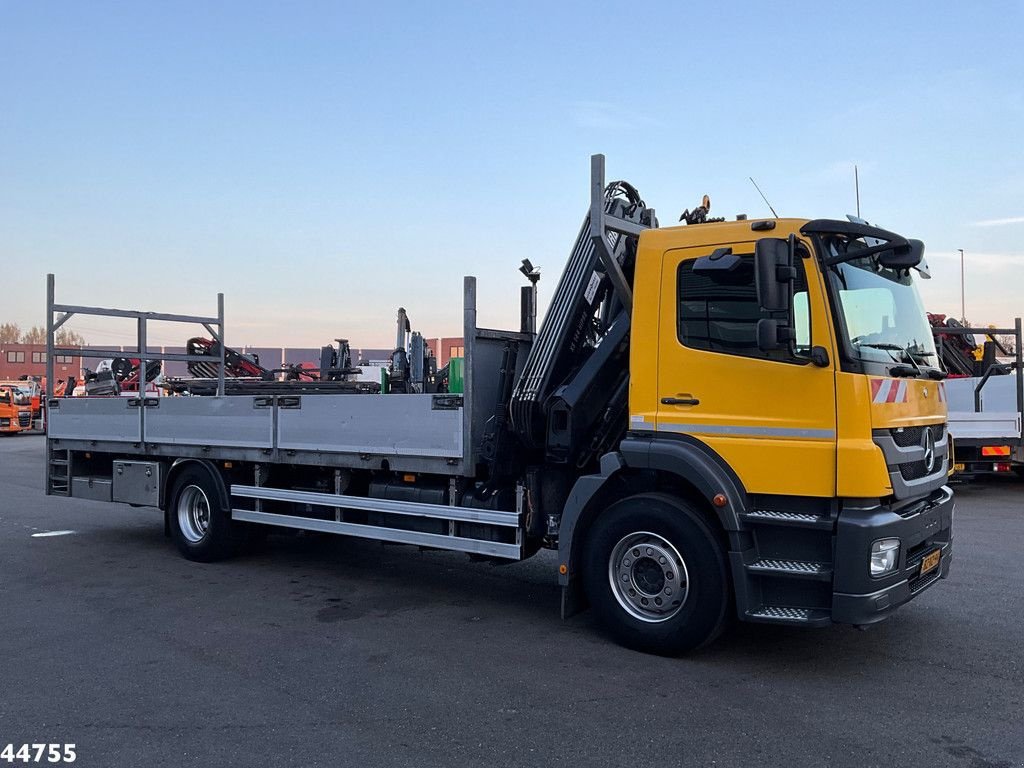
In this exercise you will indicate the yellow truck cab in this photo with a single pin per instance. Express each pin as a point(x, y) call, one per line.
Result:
point(15, 410)
point(784, 371)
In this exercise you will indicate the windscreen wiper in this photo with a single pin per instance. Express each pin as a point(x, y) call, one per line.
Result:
point(902, 370)
point(897, 370)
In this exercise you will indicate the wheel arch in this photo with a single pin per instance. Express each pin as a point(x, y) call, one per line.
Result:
point(174, 472)
point(680, 465)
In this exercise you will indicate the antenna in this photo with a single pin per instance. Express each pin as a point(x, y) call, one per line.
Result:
point(856, 186)
point(763, 197)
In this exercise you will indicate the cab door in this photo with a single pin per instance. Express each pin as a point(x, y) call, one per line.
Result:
point(771, 415)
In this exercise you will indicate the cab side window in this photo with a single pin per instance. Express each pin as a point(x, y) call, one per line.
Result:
point(719, 312)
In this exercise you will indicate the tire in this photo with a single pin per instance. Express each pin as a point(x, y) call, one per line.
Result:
point(201, 527)
point(636, 557)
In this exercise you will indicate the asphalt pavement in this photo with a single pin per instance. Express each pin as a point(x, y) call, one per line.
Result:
point(320, 650)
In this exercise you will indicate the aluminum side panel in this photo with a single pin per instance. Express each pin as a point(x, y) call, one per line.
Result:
point(94, 418)
point(984, 426)
point(395, 425)
point(231, 421)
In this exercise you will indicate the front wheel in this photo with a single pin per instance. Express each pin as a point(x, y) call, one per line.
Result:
point(656, 574)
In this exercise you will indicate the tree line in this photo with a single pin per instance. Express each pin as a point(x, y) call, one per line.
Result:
point(11, 333)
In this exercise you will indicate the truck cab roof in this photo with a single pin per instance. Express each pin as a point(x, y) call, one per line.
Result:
point(687, 235)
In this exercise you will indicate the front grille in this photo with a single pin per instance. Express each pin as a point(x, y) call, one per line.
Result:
point(915, 470)
point(920, 582)
point(908, 436)
point(917, 552)
point(915, 555)
point(24, 420)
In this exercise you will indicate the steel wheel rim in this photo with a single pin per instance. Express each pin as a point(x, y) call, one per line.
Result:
point(648, 577)
point(193, 513)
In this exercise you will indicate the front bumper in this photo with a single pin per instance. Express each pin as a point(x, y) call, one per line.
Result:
point(922, 528)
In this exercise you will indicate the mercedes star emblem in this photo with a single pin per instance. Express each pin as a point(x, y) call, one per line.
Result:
point(929, 451)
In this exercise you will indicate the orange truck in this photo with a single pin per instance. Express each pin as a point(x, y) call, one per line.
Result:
point(30, 387)
point(15, 409)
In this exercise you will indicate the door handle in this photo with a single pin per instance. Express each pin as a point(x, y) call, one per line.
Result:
point(682, 400)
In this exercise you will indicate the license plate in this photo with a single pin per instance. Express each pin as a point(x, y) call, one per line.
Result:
point(930, 561)
point(959, 467)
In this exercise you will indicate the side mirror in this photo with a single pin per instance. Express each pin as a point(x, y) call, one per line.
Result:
point(774, 334)
point(903, 256)
point(774, 273)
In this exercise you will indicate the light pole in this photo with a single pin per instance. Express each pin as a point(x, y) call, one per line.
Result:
point(963, 310)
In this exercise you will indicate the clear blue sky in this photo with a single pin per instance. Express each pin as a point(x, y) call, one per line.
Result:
point(324, 162)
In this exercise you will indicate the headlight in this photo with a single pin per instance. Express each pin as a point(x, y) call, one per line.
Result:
point(885, 554)
point(5, 422)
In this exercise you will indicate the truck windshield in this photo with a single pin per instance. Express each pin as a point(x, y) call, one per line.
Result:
point(885, 320)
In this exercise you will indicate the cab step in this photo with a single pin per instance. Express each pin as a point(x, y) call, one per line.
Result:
point(781, 614)
point(798, 569)
point(780, 517)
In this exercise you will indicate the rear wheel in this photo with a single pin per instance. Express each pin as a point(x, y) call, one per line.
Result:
point(201, 526)
point(656, 575)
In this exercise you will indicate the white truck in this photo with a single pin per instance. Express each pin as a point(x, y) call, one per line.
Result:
point(985, 411)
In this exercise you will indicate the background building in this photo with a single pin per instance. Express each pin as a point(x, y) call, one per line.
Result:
point(17, 360)
point(446, 348)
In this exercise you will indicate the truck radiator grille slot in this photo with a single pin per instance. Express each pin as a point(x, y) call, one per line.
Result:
point(916, 553)
point(914, 470)
point(920, 582)
point(908, 436)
